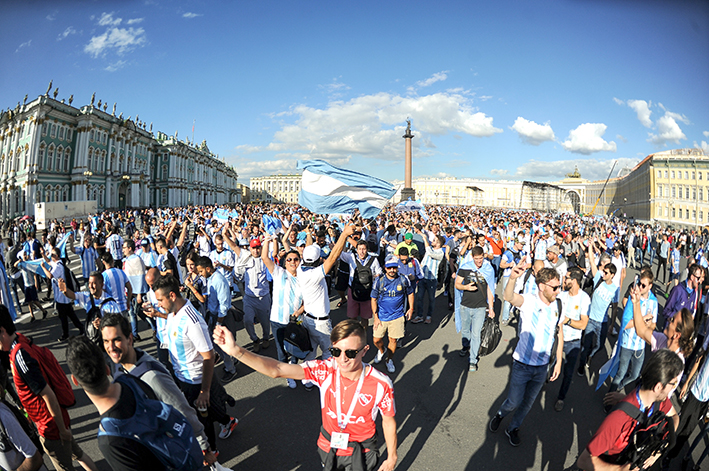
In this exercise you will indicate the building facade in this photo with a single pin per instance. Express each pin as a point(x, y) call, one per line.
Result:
point(275, 188)
point(51, 151)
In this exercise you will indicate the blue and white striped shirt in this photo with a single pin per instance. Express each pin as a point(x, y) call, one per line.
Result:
point(88, 260)
point(114, 283)
point(114, 244)
point(188, 337)
point(536, 331)
point(287, 296)
point(431, 261)
point(700, 389)
point(225, 257)
point(630, 339)
point(150, 259)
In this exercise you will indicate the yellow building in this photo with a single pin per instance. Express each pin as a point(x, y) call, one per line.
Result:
point(275, 188)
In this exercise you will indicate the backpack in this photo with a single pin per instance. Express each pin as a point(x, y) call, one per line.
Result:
point(71, 282)
point(362, 280)
point(157, 426)
point(297, 339)
point(92, 332)
point(28, 427)
point(651, 435)
point(52, 372)
point(590, 288)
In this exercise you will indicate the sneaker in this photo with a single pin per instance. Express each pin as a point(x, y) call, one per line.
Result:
point(427, 321)
point(136, 338)
point(504, 322)
point(379, 357)
point(265, 344)
point(495, 423)
point(473, 368)
point(582, 370)
point(464, 352)
point(614, 332)
point(559, 405)
point(228, 376)
point(308, 385)
point(230, 401)
point(291, 383)
point(228, 428)
point(390, 366)
point(417, 320)
point(62, 338)
point(256, 346)
point(513, 436)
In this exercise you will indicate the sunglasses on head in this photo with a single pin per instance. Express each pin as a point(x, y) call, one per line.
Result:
point(351, 354)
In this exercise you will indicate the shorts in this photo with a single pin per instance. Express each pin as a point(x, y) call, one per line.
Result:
point(395, 327)
point(61, 453)
point(30, 294)
point(343, 281)
point(356, 309)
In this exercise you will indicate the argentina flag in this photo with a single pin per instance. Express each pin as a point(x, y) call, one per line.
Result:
point(326, 189)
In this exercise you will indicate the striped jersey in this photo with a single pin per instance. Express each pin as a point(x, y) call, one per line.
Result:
point(88, 260)
point(537, 324)
point(700, 389)
point(225, 257)
point(150, 259)
point(135, 271)
point(188, 337)
point(430, 262)
point(630, 339)
point(287, 295)
point(114, 283)
point(160, 323)
point(114, 244)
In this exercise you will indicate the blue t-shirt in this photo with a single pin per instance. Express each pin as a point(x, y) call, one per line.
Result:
point(391, 296)
point(601, 299)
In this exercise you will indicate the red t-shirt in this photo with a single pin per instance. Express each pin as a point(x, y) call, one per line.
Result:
point(612, 436)
point(376, 395)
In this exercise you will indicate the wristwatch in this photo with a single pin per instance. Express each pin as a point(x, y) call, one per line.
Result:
point(568, 322)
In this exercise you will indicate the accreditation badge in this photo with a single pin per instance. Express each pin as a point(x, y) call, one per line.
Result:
point(339, 440)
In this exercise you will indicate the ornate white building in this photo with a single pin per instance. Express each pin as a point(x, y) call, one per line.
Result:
point(52, 151)
point(275, 188)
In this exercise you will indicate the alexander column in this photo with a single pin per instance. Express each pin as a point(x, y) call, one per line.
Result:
point(408, 190)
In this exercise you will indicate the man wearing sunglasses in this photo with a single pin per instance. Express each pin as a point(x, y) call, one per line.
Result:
point(352, 392)
point(684, 295)
point(539, 317)
point(632, 347)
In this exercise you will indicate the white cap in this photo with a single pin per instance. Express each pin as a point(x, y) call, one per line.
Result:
point(311, 253)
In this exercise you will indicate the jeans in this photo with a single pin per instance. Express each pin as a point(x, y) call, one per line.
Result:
point(506, 306)
point(593, 338)
point(496, 265)
point(257, 308)
point(279, 332)
point(228, 359)
point(133, 315)
point(427, 288)
point(471, 322)
point(651, 251)
point(525, 383)
point(631, 362)
point(17, 283)
point(572, 349)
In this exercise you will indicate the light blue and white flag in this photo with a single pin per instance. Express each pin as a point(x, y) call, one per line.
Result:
point(326, 189)
point(5, 296)
point(271, 224)
point(61, 245)
point(409, 205)
point(34, 266)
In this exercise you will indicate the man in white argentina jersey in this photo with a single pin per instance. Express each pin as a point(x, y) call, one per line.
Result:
point(192, 358)
point(223, 259)
point(287, 295)
point(539, 317)
point(114, 244)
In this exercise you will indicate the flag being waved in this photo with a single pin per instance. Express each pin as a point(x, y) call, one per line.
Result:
point(326, 189)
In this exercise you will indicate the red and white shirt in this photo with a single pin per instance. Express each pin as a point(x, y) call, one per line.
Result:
point(376, 395)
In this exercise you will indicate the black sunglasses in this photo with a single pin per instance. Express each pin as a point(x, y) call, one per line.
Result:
point(555, 288)
point(351, 354)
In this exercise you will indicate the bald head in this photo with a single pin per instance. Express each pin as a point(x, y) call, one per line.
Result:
point(151, 275)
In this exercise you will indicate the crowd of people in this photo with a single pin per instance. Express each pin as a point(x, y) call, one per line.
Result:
point(192, 276)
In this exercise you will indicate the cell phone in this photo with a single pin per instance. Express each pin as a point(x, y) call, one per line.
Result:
point(636, 282)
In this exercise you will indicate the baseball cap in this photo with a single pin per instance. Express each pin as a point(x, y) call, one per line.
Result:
point(553, 249)
point(255, 243)
point(408, 236)
point(145, 242)
point(300, 243)
point(311, 253)
point(391, 261)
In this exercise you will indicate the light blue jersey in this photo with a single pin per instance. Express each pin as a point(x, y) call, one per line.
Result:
point(114, 283)
point(188, 338)
point(630, 338)
point(536, 331)
point(287, 295)
point(601, 299)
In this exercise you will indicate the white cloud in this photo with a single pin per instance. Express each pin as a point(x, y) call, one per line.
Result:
point(485, 97)
point(437, 77)
point(587, 139)
point(706, 133)
point(531, 132)
point(134, 21)
point(107, 19)
point(642, 109)
point(704, 146)
point(591, 169)
point(191, 15)
point(67, 32)
point(499, 172)
point(115, 66)
point(51, 16)
point(23, 45)
point(370, 126)
point(668, 130)
point(335, 89)
point(121, 39)
point(618, 101)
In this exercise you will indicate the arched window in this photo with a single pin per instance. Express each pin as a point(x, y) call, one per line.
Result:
point(65, 193)
point(40, 157)
point(53, 134)
point(67, 157)
point(39, 194)
point(50, 158)
point(60, 155)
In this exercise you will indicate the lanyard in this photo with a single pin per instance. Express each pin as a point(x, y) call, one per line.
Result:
point(345, 420)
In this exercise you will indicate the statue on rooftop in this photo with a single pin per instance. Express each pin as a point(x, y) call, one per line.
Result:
point(56, 92)
point(93, 98)
point(49, 88)
point(71, 98)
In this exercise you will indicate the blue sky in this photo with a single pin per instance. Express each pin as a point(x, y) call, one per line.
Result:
point(494, 89)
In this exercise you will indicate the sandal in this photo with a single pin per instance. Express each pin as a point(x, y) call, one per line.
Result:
point(341, 303)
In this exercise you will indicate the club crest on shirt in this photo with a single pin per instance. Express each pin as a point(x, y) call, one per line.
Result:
point(365, 399)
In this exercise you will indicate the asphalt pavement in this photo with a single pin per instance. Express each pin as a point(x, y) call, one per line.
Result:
point(442, 409)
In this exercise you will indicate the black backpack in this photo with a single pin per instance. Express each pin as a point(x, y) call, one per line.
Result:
point(71, 282)
point(652, 435)
point(28, 427)
point(362, 280)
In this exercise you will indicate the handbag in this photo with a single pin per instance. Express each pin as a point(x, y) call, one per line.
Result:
point(490, 336)
point(297, 339)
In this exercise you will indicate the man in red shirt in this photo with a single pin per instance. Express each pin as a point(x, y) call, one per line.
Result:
point(351, 395)
point(39, 400)
point(659, 378)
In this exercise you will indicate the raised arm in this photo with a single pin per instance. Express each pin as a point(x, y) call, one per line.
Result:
point(510, 296)
point(270, 264)
point(338, 248)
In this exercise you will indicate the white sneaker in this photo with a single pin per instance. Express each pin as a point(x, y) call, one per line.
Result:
point(291, 383)
point(379, 356)
point(390, 366)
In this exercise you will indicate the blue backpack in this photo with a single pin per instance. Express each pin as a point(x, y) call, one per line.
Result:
point(157, 426)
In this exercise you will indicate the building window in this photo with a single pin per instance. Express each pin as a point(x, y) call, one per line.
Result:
point(659, 174)
point(701, 216)
point(67, 156)
point(68, 134)
point(686, 193)
point(701, 194)
point(700, 175)
point(694, 193)
point(665, 173)
point(686, 211)
point(50, 158)
point(53, 134)
point(44, 129)
point(40, 156)
point(694, 214)
point(673, 173)
point(659, 190)
point(91, 136)
point(693, 176)
point(686, 175)
point(61, 133)
point(673, 212)
point(674, 191)
point(665, 211)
